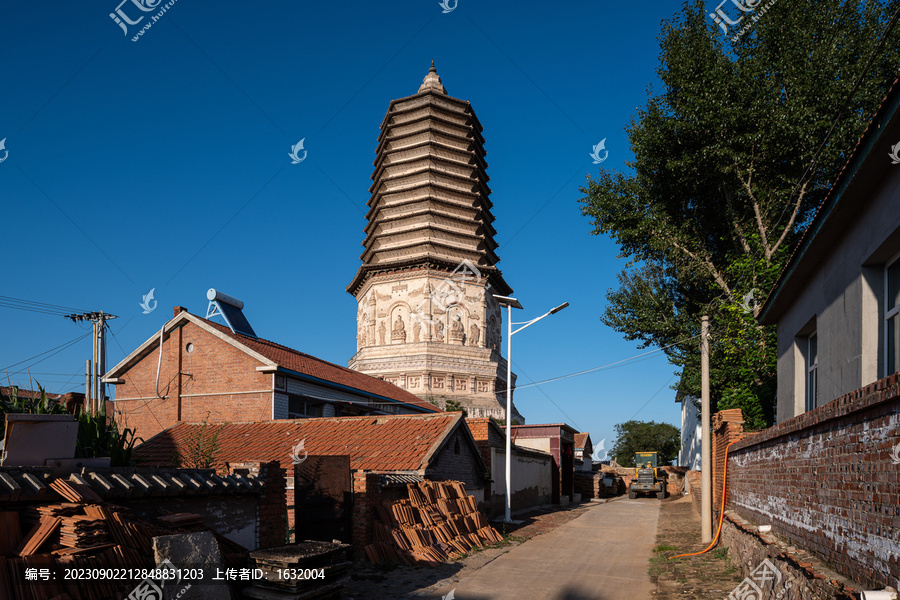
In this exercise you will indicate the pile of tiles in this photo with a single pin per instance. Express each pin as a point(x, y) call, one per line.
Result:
point(84, 533)
point(438, 522)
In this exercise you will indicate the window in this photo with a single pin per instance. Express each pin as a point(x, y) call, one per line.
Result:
point(300, 407)
point(892, 317)
point(812, 367)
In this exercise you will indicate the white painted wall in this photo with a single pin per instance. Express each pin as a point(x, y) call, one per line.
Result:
point(691, 430)
point(542, 444)
point(525, 472)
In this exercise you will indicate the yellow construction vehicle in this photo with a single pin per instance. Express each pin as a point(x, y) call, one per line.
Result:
point(648, 478)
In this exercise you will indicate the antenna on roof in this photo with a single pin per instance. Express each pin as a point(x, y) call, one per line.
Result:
point(230, 309)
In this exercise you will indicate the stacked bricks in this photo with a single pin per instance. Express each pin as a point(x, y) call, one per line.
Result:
point(828, 480)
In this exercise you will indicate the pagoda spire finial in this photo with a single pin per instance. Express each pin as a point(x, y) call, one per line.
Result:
point(432, 81)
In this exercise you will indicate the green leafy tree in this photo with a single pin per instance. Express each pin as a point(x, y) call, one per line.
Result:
point(452, 405)
point(727, 174)
point(645, 436)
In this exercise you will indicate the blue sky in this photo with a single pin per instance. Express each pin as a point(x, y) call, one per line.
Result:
point(163, 163)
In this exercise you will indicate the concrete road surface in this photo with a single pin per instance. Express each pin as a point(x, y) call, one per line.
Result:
point(602, 555)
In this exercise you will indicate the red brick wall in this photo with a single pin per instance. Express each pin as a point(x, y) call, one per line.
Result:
point(826, 480)
point(214, 367)
point(727, 426)
point(694, 481)
point(365, 495)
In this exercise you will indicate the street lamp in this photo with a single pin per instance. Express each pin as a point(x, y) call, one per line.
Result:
point(511, 303)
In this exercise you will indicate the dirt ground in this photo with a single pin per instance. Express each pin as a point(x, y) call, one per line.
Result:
point(709, 576)
point(391, 582)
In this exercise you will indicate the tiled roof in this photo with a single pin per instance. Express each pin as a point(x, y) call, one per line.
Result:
point(21, 484)
point(293, 360)
point(581, 439)
point(383, 443)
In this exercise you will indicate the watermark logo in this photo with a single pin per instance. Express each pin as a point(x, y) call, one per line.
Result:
point(445, 4)
point(749, 304)
point(5, 151)
point(751, 587)
point(295, 452)
point(595, 457)
point(153, 588)
point(296, 159)
point(121, 18)
point(596, 153)
point(895, 454)
point(148, 298)
point(450, 596)
point(448, 293)
point(721, 18)
point(894, 153)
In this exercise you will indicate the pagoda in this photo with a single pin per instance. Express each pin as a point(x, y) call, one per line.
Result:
point(427, 319)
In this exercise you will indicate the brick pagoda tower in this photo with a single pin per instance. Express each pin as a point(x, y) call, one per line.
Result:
point(427, 320)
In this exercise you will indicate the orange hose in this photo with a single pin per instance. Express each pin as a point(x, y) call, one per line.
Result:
point(721, 510)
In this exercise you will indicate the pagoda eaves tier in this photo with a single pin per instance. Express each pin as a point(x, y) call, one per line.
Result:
point(427, 318)
point(429, 197)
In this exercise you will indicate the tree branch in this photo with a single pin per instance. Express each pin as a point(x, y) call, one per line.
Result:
point(790, 223)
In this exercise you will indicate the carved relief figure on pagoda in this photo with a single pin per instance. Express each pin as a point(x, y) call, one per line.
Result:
point(398, 333)
point(457, 330)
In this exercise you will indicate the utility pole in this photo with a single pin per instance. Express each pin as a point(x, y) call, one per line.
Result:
point(95, 389)
point(706, 472)
point(88, 376)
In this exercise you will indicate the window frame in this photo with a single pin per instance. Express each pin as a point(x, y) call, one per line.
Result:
point(890, 314)
point(309, 404)
point(812, 370)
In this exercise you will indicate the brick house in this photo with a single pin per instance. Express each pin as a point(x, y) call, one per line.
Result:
point(530, 469)
point(584, 448)
point(383, 450)
point(209, 372)
point(558, 439)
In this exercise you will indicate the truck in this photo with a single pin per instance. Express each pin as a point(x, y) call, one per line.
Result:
point(648, 478)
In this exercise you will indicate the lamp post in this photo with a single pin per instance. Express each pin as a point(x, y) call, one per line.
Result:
point(511, 303)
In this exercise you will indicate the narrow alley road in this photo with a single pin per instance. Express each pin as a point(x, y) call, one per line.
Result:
point(601, 555)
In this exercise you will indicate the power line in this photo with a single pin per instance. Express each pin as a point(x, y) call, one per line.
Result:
point(570, 419)
point(67, 344)
point(56, 374)
point(653, 396)
point(34, 306)
point(626, 362)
